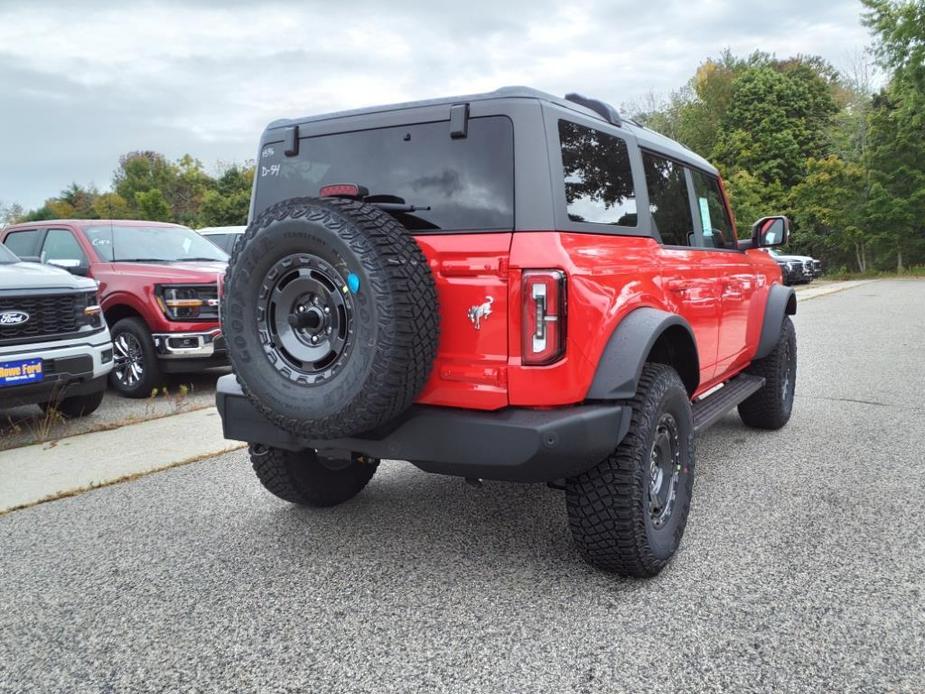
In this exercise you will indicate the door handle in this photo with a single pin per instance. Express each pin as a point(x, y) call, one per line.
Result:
point(732, 289)
point(679, 286)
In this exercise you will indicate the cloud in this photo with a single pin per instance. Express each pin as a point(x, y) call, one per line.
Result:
point(82, 83)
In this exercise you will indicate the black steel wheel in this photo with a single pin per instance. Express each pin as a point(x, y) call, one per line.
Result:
point(306, 317)
point(664, 470)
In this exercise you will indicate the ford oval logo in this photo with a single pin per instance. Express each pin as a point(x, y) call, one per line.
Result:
point(13, 317)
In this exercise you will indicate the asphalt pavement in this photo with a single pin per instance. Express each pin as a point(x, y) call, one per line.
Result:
point(802, 569)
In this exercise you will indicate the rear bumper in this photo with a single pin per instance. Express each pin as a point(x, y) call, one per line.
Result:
point(514, 444)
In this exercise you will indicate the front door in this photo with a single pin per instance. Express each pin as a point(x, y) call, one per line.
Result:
point(736, 276)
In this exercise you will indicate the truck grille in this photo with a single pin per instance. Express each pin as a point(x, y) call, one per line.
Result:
point(50, 316)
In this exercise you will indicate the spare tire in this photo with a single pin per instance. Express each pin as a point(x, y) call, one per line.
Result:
point(330, 316)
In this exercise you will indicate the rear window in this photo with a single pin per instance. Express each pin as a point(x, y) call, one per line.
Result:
point(598, 180)
point(467, 183)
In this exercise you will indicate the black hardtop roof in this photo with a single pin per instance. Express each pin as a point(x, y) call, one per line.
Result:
point(644, 136)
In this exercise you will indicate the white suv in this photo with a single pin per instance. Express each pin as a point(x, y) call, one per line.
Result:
point(55, 349)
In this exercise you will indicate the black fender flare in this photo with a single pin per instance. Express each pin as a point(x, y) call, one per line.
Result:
point(628, 348)
point(781, 301)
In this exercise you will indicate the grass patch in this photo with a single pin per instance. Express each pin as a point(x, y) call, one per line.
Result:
point(917, 272)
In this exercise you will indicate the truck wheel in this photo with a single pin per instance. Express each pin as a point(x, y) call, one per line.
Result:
point(135, 372)
point(330, 317)
point(628, 514)
point(770, 407)
point(307, 479)
point(76, 405)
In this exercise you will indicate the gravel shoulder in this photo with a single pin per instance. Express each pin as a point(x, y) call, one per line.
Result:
point(801, 569)
point(23, 426)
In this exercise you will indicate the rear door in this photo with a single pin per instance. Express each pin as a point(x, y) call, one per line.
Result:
point(690, 280)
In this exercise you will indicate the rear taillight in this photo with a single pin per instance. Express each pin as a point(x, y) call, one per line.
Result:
point(544, 317)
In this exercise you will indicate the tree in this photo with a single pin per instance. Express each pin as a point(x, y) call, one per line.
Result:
point(10, 213)
point(829, 212)
point(777, 119)
point(752, 198)
point(140, 172)
point(152, 205)
point(228, 203)
point(111, 206)
point(896, 152)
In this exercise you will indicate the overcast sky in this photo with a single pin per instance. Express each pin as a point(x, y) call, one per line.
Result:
point(83, 81)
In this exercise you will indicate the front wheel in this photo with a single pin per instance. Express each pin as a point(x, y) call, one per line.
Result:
point(307, 479)
point(771, 406)
point(628, 514)
point(135, 372)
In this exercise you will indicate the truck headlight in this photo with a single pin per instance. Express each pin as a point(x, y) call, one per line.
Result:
point(89, 313)
point(188, 301)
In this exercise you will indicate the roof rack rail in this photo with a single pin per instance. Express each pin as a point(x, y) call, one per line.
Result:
point(604, 110)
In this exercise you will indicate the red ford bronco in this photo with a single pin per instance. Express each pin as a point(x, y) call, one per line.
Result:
point(505, 286)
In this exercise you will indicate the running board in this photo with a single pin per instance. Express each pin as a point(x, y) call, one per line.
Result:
point(714, 407)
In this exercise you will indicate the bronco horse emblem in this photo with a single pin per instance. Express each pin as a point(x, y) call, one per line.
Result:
point(477, 313)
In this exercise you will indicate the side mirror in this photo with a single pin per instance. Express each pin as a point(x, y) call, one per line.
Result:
point(768, 232)
point(72, 265)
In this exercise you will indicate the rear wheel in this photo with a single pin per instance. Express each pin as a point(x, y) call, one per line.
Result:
point(770, 407)
point(307, 479)
point(135, 372)
point(628, 514)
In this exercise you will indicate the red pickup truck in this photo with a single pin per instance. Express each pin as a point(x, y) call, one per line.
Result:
point(159, 289)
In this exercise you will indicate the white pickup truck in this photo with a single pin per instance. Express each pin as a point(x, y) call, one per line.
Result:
point(55, 349)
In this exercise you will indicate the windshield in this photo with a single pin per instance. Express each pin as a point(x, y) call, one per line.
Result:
point(433, 181)
point(151, 244)
point(7, 256)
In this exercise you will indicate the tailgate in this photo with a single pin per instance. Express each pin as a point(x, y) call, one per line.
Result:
point(472, 287)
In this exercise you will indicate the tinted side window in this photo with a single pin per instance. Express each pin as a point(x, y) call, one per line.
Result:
point(717, 227)
point(23, 243)
point(598, 180)
point(60, 244)
point(668, 200)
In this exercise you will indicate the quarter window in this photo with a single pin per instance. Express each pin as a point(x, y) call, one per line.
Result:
point(668, 200)
point(714, 217)
point(598, 179)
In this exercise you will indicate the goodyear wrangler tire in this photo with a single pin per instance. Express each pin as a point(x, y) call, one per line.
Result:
point(330, 316)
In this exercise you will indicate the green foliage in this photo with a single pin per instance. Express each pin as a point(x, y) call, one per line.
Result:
point(797, 137)
point(228, 203)
point(152, 205)
point(896, 153)
point(146, 185)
